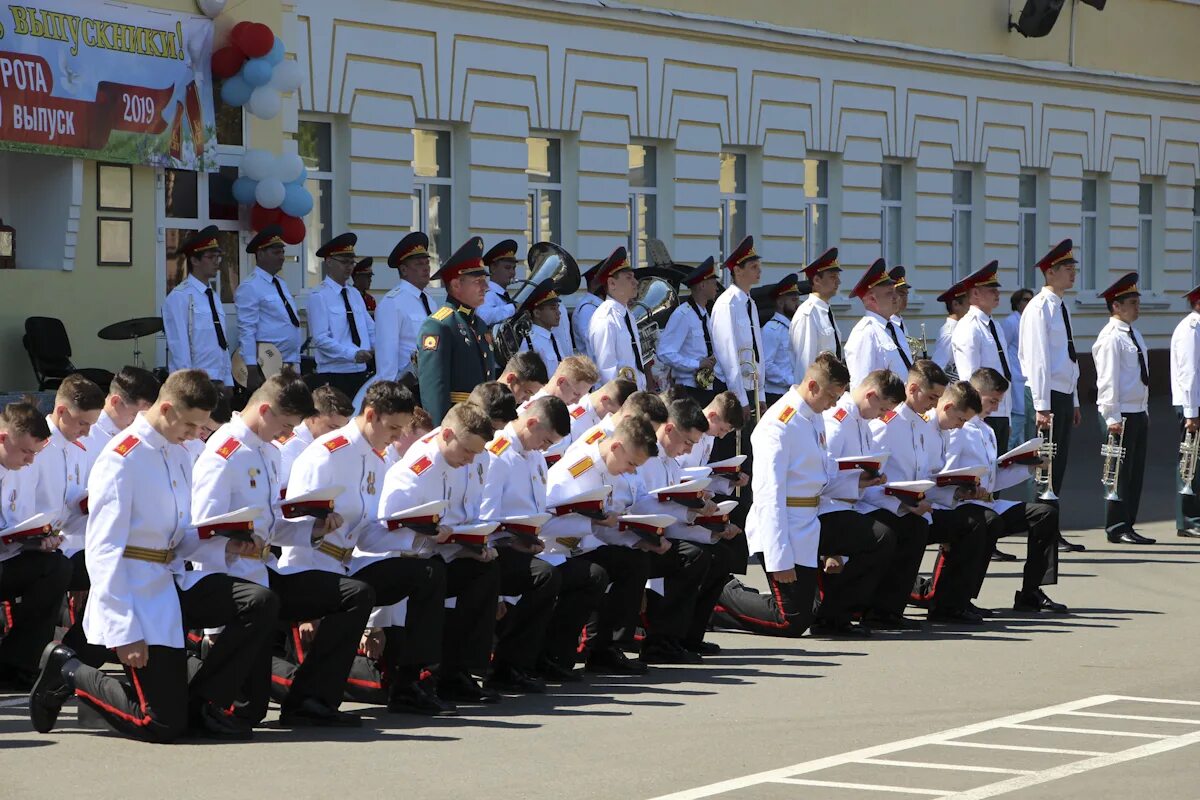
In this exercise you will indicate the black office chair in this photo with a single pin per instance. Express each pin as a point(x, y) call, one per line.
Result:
point(49, 350)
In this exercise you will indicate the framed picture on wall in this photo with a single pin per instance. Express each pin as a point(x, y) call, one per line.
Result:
point(114, 187)
point(114, 242)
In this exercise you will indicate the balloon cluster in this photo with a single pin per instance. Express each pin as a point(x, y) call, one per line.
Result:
point(254, 70)
point(273, 186)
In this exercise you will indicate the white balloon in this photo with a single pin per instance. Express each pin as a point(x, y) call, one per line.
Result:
point(270, 193)
point(265, 103)
point(287, 77)
point(289, 167)
point(211, 8)
point(257, 165)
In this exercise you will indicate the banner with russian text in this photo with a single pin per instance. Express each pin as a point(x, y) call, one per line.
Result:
point(109, 82)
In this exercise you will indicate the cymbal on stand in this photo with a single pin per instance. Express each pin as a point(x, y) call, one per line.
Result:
point(131, 329)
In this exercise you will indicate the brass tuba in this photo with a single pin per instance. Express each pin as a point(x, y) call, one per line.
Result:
point(656, 298)
point(547, 261)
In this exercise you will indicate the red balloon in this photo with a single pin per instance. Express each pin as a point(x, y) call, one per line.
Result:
point(235, 35)
point(262, 217)
point(293, 229)
point(255, 40)
point(227, 62)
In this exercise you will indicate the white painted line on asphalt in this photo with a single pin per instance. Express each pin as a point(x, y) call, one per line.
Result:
point(891, 762)
point(14, 703)
point(1100, 715)
point(1094, 731)
point(1023, 747)
point(870, 787)
point(1156, 700)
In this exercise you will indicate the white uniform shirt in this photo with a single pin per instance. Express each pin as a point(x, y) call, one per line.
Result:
point(329, 327)
point(516, 483)
point(683, 343)
point(497, 306)
point(737, 331)
point(18, 502)
point(581, 321)
point(61, 471)
point(398, 319)
point(1043, 350)
point(974, 445)
point(659, 472)
point(973, 347)
point(700, 456)
point(290, 447)
point(870, 347)
point(846, 434)
point(942, 354)
point(812, 331)
point(777, 355)
point(914, 448)
point(581, 471)
point(339, 458)
point(1119, 387)
point(191, 335)
point(902, 334)
point(139, 495)
point(613, 349)
point(263, 317)
point(541, 341)
point(1185, 365)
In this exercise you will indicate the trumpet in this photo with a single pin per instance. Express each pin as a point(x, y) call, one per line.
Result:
point(1189, 449)
point(748, 369)
point(1043, 475)
point(1113, 452)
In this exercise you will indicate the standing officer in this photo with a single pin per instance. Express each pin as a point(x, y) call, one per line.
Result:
point(955, 299)
point(899, 277)
point(266, 310)
point(686, 343)
point(736, 328)
point(977, 341)
point(400, 313)
point(612, 335)
point(456, 352)
point(361, 276)
point(1049, 360)
point(501, 262)
point(874, 343)
point(813, 329)
point(1122, 392)
point(581, 320)
point(1185, 394)
point(341, 330)
point(777, 354)
point(545, 312)
point(193, 319)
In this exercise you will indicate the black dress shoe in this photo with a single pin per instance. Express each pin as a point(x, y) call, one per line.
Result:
point(611, 661)
point(507, 678)
point(955, 616)
point(418, 697)
point(983, 612)
point(999, 555)
point(667, 651)
point(1188, 533)
point(1130, 537)
point(554, 672)
point(51, 689)
point(312, 713)
point(1036, 601)
point(209, 722)
point(702, 648)
point(461, 687)
point(839, 629)
point(891, 622)
point(1069, 547)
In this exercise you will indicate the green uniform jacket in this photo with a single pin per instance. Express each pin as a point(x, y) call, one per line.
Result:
point(454, 355)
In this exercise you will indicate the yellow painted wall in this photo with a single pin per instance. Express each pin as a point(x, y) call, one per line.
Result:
point(91, 296)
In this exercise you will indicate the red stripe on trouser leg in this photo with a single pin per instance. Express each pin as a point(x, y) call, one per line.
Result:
point(282, 681)
point(71, 609)
point(298, 644)
point(142, 721)
point(364, 684)
point(939, 564)
point(8, 621)
point(820, 585)
point(781, 623)
point(583, 640)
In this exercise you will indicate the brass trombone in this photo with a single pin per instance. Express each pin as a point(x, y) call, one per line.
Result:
point(1043, 475)
point(1113, 452)
point(1189, 450)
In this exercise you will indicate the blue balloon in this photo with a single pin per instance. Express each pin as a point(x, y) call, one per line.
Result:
point(235, 91)
point(276, 54)
point(257, 72)
point(243, 190)
point(303, 177)
point(297, 201)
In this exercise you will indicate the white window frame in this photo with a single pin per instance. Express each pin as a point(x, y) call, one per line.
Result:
point(1027, 226)
point(1146, 237)
point(1087, 249)
point(817, 207)
point(648, 196)
point(307, 274)
point(539, 190)
point(729, 200)
point(421, 184)
point(889, 207)
point(962, 254)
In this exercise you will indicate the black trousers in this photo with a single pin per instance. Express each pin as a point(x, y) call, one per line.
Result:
point(964, 532)
point(423, 581)
point(248, 613)
point(1062, 405)
point(1040, 522)
point(1120, 516)
point(726, 559)
point(521, 635)
point(785, 610)
point(683, 569)
point(91, 654)
point(895, 584)
point(471, 623)
point(150, 704)
point(871, 546)
point(616, 618)
point(581, 591)
point(1187, 506)
point(38, 580)
point(724, 448)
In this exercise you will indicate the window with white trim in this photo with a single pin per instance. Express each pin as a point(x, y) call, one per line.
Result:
point(732, 211)
point(314, 143)
point(643, 200)
point(1145, 249)
point(816, 218)
point(1027, 250)
point(891, 225)
point(543, 206)
point(432, 182)
point(1087, 249)
point(962, 205)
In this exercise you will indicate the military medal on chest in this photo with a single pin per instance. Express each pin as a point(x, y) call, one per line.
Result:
point(254, 473)
point(12, 501)
point(371, 482)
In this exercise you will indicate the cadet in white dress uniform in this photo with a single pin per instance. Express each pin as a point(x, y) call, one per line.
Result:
point(544, 307)
point(266, 310)
point(581, 316)
point(193, 316)
point(955, 299)
point(612, 335)
point(874, 343)
point(900, 279)
point(686, 342)
point(777, 353)
point(737, 332)
point(501, 262)
point(341, 330)
point(133, 389)
point(1185, 395)
point(813, 329)
point(977, 340)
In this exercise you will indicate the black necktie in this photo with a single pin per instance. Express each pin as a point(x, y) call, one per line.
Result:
point(637, 354)
point(354, 337)
point(554, 344)
point(837, 339)
point(892, 332)
point(287, 306)
point(1070, 336)
point(425, 302)
point(703, 327)
point(212, 305)
point(902, 328)
point(1000, 350)
point(753, 340)
point(504, 296)
point(1141, 358)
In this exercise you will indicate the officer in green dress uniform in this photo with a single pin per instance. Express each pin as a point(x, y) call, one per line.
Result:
point(455, 352)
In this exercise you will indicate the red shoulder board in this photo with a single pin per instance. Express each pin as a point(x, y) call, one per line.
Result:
point(888, 416)
point(79, 444)
point(381, 453)
point(285, 438)
point(421, 464)
point(787, 413)
point(840, 414)
point(578, 411)
point(126, 446)
point(595, 436)
point(336, 443)
point(581, 466)
point(499, 446)
point(229, 448)
point(428, 437)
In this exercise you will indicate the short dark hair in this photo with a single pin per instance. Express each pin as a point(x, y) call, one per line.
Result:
point(24, 418)
point(388, 397)
point(552, 412)
point(637, 432)
point(986, 379)
point(828, 368)
point(193, 389)
point(647, 404)
point(527, 366)
point(467, 418)
point(731, 410)
point(329, 401)
point(926, 372)
point(287, 394)
point(953, 301)
point(1015, 300)
point(964, 397)
point(687, 415)
point(80, 394)
point(887, 384)
point(621, 389)
point(222, 412)
point(135, 385)
point(496, 400)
